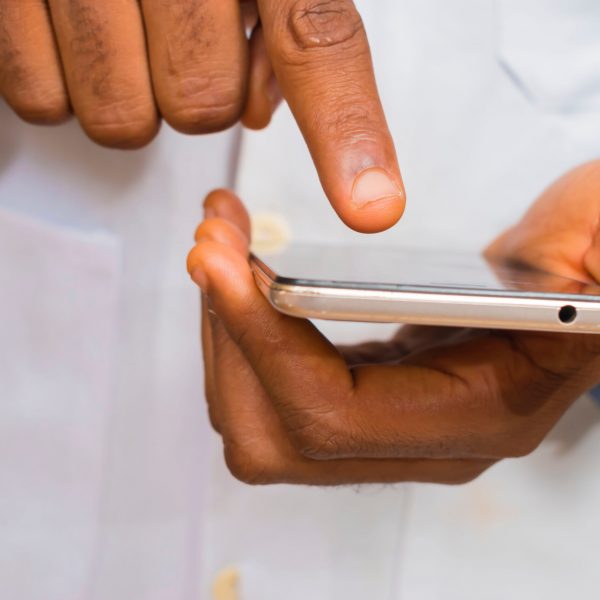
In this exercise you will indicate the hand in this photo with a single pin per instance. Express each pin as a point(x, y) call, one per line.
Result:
point(121, 65)
point(431, 405)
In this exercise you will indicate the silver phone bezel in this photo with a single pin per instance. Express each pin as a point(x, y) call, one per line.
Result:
point(518, 311)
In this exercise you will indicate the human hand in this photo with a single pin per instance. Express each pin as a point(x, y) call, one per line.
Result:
point(122, 65)
point(431, 405)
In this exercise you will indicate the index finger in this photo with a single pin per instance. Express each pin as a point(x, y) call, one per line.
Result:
point(321, 57)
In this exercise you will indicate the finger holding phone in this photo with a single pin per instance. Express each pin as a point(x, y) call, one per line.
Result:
point(431, 405)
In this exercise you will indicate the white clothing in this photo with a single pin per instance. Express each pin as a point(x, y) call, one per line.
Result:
point(103, 432)
point(109, 488)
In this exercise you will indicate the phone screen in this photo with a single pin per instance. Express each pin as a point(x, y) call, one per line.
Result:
point(383, 268)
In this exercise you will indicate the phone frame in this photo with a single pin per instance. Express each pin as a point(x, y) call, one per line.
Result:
point(417, 305)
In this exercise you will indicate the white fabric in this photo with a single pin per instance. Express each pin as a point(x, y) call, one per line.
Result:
point(55, 402)
point(108, 488)
point(103, 432)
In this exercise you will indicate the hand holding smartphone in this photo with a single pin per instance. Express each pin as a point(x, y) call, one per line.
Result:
point(435, 404)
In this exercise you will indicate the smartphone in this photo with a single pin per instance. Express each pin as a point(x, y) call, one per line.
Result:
point(425, 287)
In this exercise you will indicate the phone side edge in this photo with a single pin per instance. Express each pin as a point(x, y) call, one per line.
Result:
point(431, 310)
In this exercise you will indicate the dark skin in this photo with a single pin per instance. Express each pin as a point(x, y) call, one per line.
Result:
point(123, 66)
point(431, 405)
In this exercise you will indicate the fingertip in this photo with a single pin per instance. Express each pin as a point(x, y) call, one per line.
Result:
point(374, 217)
point(261, 105)
point(199, 262)
point(219, 198)
point(368, 200)
point(199, 278)
point(225, 204)
point(46, 108)
point(257, 116)
point(193, 259)
point(217, 265)
point(224, 232)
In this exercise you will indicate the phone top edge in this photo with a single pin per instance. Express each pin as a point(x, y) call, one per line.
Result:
point(401, 307)
point(281, 283)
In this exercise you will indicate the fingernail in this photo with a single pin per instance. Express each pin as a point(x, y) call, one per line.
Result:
point(373, 185)
point(209, 212)
point(199, 278)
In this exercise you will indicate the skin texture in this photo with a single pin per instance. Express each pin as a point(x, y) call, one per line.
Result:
point(122, 66)
point(431, 405)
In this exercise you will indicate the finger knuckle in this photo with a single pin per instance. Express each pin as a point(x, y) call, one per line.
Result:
point(252, 317)
point(353, 121)
point(205, 106)
point(510, 438)
point(40, 106)
point(317, 442)
point(522, 446)
point(250, 465)
point(322, 434)
point(36, 99)
point(468, 472)
point(121, 125)
point(319, 26)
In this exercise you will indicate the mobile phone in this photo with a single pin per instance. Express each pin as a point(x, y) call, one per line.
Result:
point(426, 287)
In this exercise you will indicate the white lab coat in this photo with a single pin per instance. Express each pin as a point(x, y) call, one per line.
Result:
point(112, 485)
